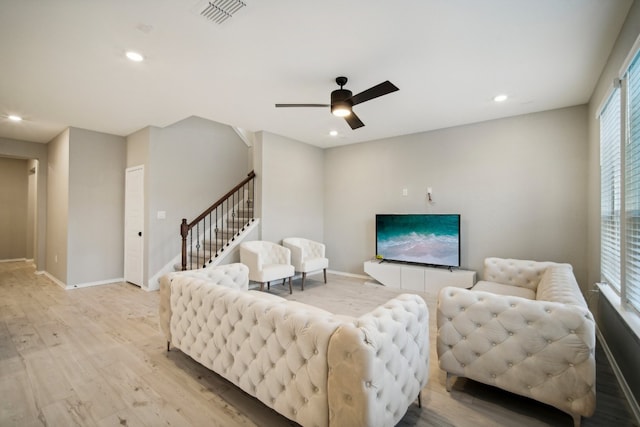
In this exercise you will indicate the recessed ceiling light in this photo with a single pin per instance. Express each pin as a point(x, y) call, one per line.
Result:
point(134, 56)
point(333, 133)
point(500, 98)
point(15, 118)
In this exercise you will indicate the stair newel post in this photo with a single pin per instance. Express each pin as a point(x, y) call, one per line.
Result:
point(184, 232)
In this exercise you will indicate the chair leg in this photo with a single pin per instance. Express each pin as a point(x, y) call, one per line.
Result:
point(168, 346)
point(576, 420)
point(303, 277)
point(420, 399)
point(290, 288)
point(325, 275)
point(449, 381)
point(268, 286)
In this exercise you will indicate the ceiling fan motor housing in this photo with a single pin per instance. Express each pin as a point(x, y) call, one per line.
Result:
point(340, 99)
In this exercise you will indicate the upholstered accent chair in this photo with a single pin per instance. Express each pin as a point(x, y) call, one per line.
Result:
point(267, 261)
point(307, 256)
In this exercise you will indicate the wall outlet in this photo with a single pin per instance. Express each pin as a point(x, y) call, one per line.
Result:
point(405, 192)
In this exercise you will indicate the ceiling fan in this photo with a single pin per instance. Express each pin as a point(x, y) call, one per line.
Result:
point(342, 100)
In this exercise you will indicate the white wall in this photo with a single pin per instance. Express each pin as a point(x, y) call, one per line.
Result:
point(290, 188)
point(519, 184)
point(95, 229)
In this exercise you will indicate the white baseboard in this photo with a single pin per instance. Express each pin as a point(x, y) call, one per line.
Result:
point(98, 283)
point(342, 273)
point(13, 260)
point(79, 285)
point(626, 390)
point(54, 279)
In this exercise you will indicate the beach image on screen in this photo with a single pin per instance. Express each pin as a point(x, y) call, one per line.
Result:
point(425, 239)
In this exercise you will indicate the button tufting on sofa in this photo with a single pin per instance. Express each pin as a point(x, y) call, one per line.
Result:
point(237, 333)
point(554, 306)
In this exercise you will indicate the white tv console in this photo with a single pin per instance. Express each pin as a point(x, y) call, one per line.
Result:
point(418, 278)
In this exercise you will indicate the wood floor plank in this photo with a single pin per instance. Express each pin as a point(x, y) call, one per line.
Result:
point(47, 381)
point(17, 405)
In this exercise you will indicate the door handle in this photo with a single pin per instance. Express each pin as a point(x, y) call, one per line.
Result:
point(140, 233)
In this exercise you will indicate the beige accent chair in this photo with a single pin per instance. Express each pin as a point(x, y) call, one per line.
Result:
point(525, 328)
point(267, 261)
point(307, 256)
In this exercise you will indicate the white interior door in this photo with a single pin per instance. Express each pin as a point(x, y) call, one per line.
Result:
point(134, 225)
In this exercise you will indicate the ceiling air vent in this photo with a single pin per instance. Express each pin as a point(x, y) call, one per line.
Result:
point(219, 11)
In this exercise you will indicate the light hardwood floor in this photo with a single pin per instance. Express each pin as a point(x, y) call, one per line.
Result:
point(96, 357)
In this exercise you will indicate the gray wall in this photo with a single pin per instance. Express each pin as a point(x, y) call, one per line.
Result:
point(188, 166)
point(14, 187)
point(96, 207)
point(519, 184)
point(32, 207)
point(290, 188)
point(57, 206)
point(85, 223)
point(623, 343)
point(32, 150)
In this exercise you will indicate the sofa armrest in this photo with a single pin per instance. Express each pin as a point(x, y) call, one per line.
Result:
point(296, 255)
point(515, 272)
point(379, 364)
point(539, 349)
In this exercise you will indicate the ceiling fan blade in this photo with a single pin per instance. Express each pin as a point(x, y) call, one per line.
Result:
point(354, 121)
point(373, 92)
point(302, 105)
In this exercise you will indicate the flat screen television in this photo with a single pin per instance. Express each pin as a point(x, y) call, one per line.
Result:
point(430, 239)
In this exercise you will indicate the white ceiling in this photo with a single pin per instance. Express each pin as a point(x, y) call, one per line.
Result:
point(62, 63)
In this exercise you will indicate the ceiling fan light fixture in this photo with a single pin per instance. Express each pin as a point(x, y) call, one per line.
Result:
point(341, 109)
point(134, 56)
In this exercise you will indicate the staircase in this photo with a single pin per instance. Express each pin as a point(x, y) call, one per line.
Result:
point(209, 237)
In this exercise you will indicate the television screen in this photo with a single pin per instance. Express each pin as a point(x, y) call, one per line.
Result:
point(432, 239)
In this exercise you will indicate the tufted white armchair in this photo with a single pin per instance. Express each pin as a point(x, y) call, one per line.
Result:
point(307, 256)
point(267, 261)
point(525, 328)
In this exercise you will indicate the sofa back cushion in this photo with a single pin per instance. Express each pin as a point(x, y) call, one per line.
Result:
point(516, 272)
point(274, 349)
point(558, 284)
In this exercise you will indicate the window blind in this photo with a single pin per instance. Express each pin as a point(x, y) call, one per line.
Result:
point(610, 206)
point(631, 291)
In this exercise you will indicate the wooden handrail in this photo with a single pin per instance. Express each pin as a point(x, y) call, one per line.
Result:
point(185, 228)
point(249, 177)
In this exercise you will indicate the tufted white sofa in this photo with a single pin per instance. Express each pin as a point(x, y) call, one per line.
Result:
point(313, 367)
point(525, 328)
